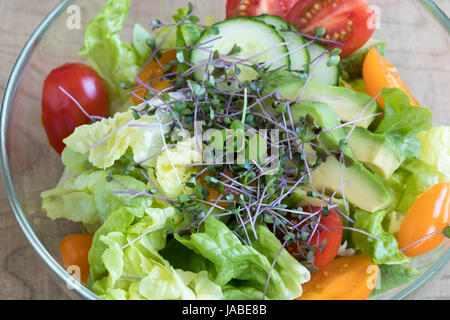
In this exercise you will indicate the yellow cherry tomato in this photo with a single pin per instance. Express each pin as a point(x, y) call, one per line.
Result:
point(428, 214)
point(378, 73)
point(74, 250)
point(346, 278)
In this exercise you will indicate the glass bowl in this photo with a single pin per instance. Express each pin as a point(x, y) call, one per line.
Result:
point(418, 39)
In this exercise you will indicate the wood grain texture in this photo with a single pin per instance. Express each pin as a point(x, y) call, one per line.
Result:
point(23, 275)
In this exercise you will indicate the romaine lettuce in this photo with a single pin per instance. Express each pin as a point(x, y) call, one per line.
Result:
point(243, 270)
point(436, 150)
point(402, 121)
point(125, 263)
point(417, 177)
point(112, 138)
point(88, 198)
point(116, 62)
point(172, 170)
point(383, 250)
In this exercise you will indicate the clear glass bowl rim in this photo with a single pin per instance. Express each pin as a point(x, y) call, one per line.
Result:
point(10, 90)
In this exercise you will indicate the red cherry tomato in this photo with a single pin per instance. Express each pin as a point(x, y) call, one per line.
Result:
point(328, 229)
point(245, 8)
point(60, 114)
point(350, 22)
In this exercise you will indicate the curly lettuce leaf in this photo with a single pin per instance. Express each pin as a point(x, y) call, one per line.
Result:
point(402, 121)
point(125, 263)
point(88, 198)
point(117, 135)
point(436, 150)
point(383, 250)
point(116, 61)
point(416, 178)
point(242, 270)
point(171, 167)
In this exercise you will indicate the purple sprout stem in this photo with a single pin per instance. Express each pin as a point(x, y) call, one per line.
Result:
point(356, 230)
point(272, 267)
point(422, 239)
point(161, 43)
point(210, 210)
point(310, 75)
point(153, 184)
point(362, 113)
point(314, 230)
point(92, 118)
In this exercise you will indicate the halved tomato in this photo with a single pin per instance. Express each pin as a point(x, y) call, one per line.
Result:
point(245, 8)
point(330, 231)
point(350, 22)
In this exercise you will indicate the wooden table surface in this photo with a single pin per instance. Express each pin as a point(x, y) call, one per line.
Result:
point(22, 273)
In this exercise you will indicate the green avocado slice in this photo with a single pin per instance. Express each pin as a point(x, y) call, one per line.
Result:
point(347, 104)
point(363, 188)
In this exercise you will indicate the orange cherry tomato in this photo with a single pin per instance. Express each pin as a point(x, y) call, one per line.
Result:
point(162, 85)
point(346, 278)
point(74, 250)
point(428, 214)
point(378, 73)
point(152, 74)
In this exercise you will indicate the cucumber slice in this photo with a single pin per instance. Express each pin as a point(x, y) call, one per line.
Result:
point(258, 41)
point(298, 52)
point(321, 72)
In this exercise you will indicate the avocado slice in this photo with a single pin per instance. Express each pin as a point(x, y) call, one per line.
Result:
point(324, 117)
point(346, 103)
point(364, 189)
point(376, 151)
point(301, 198)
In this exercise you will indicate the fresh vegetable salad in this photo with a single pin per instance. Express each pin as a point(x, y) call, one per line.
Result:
point(274, 155)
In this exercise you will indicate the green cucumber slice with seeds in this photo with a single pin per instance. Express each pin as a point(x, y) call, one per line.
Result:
point(259, 43)
point(298, 53)
point(321, 72)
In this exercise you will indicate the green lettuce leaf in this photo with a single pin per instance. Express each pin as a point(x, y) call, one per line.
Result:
point(402, 121)
point(171, 167)
point(436, 150)
point(88, 198)
point(186, 34)
point(140, 37)
point(118, 134)
point(392, 276)
point(116, 61)
point(418, 177)
point(382, 251)
point(75, 162)
point(125, 263)
point(243, 270)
